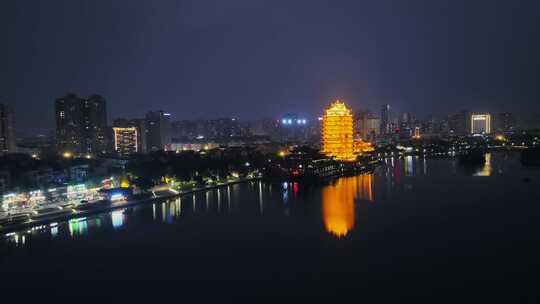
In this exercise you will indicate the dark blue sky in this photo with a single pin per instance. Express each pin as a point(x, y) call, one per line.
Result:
point(255, 58)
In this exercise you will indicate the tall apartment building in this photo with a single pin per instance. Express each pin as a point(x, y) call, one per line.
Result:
point(81, 125)
point(7, 132)
point(158, 130)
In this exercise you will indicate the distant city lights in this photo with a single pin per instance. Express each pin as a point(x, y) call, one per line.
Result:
point(290, 121)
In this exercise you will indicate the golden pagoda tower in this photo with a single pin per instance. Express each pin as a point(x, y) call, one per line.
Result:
point(337, 132)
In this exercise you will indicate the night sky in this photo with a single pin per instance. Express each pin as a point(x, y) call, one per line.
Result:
point(253, 58)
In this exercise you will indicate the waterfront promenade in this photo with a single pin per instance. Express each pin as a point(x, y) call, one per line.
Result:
point(17, 222)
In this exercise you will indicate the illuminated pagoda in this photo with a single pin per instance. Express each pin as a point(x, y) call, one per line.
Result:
point(337, 132)
point(362, 147)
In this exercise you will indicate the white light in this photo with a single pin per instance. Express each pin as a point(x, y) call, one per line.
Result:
point(117, 197)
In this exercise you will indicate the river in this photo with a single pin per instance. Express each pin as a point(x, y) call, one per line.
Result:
point(413, 228)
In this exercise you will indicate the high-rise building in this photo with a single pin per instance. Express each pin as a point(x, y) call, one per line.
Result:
point(433, 126)
point(407, 121)
point(373, 127)
point(367, 126)
point(359, 124)
point(125, 140)
point(337, 132)
point(81, 125)
point(406, 125)
point(129, 128)
point(385, 120)
point(95, 125)
point(504, 122)
point(158, 130)
point(481, 123)
point(69, 118)
point(7, 133)
point(459, 123)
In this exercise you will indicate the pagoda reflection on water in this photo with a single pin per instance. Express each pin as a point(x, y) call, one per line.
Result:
point(339, 202)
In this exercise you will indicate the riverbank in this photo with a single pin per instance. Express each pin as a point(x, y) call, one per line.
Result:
point(165, 193)
point(90, 209)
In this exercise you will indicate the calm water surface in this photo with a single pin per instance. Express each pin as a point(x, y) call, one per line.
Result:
point(413, 228)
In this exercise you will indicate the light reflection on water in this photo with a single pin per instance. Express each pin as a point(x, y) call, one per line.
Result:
point(261, 205)
point(409, 166)
point(339, 201)
point(486, 169)
point(78, 227)
point(117, 218)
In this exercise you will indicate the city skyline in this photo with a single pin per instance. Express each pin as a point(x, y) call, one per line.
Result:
point(292, 58)
point(393, 116)
point(382, 149)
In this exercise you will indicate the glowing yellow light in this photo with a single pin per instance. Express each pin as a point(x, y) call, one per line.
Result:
point(337, 132)
point(416, 133)
point(124, 183)
point(500, 137)
point(366, 187)
point(486, 170)
point(281, 153)
point(67, 154)
point(361, 147)
point(339, 213)
point(480, 123)
point(338, 206)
